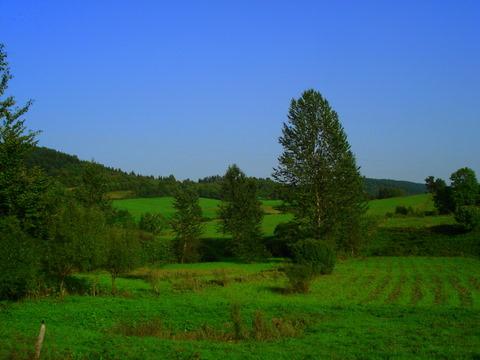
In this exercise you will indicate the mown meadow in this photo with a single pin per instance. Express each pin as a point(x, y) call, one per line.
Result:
point(380, 307)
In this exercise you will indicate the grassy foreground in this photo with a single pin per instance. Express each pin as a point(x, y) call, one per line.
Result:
point(400, 307)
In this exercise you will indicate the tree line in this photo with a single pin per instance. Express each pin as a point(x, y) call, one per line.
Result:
point(461, 197)
point(68, 170)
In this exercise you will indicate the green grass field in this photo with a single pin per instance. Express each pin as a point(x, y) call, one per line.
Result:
point(422, 202)
point(273, 217)
point(164, 206)
point(393, 307)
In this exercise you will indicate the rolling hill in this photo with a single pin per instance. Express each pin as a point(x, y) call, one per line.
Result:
point(68, 170)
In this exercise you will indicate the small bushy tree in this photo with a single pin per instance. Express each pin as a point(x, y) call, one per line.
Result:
point(187, 224)
point(19, 260)
point(152, 223)
point(122, 250)
point(311, 258)
point(75, 241)
point(468, 216)
point(241, 215)
point(464, 187)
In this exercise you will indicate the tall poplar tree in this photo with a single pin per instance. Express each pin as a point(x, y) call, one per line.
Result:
point(320, 173)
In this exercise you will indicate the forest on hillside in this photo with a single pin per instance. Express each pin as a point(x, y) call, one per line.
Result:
point(68, 169)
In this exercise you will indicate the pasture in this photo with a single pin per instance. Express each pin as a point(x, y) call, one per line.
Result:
point(382, 307)
point(273, 216)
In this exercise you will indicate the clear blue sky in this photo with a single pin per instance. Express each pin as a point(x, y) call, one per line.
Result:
point(189, 87)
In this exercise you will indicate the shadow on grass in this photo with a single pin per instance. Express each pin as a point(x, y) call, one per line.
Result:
point(448, 229)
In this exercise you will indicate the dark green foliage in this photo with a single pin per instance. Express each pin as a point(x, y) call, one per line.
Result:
point(241, 215)
point(379, 188)
point(75, 241)
point(19, 260)
point(187, 224)
point(461, 197)
point(300, 277)
point(316, 254)
point(465, 188)
point(468, 216)
point(319, 170)
point(403, 210)
point(284, 236)
point(68, 170)
point(444, 240)
point(442, 195)
point(155, 250)
point(22, 190)
point(121, 253)
point(389, 192)
point(93, 189)
point(311, 258)
point(152, 223)
point(121, 218)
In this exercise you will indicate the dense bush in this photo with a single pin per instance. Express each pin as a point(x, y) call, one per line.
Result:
point(155, 250)
point(443, 240)
point(311, 258)
point(403, 210)
point(121, 252)
point(284, 236)
point(18, 260)
point(317, 254)
point(300, 277)
point(152, 223)
point(468, 216)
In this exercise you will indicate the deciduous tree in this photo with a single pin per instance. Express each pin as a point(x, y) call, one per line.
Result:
point(187, 224)
point(320, 171)
point(241, 215)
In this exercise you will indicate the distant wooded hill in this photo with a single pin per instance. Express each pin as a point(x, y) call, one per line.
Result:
point(68, 170)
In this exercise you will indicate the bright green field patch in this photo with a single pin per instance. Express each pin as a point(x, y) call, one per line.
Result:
point(352, 313)
point(422, 202)
point(163, 205)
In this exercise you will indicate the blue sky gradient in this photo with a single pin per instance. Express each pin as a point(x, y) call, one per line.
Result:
point(187, 88)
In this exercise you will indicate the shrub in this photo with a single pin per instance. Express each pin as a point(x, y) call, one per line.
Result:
point(284, 235)
point(152, 223)
point(300, 278)
point(403, 210)
point(468, 216)
point(316, 254)
point(121, 252)
point(153, 278)
point(155, 250)
point(18, 260)
point(310, 259)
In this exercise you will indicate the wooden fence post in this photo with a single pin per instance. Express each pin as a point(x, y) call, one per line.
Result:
point(38, 345)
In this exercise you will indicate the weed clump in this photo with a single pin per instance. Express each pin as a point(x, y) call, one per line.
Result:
point(262, 329)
